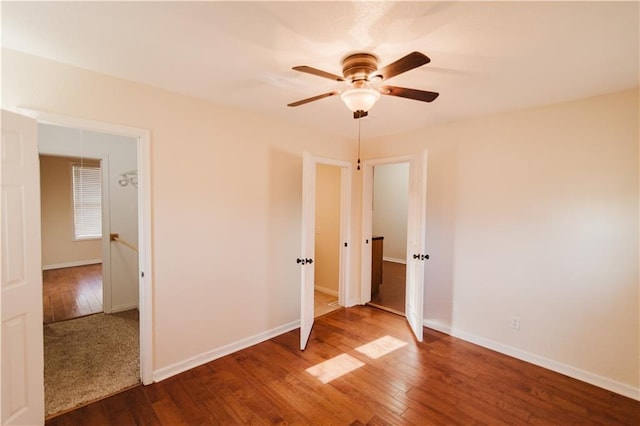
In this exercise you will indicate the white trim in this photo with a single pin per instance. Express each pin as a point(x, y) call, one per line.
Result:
point(367, 219)
point(106, 241)
point(326, 290)
point(558, 367)
point(144, 219)
point(394, 260)
point(122, 308)
point(71, 264)
point(193, 362)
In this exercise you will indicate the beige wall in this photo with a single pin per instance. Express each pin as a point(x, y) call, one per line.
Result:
point(535, 214)
point(390, 204)
point(531, 213)
point(59, 248)
point(226, 202)
point(327, 256)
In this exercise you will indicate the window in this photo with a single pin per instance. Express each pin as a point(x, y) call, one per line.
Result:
point(87, 201)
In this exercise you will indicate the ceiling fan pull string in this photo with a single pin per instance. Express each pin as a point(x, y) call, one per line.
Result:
point(359, 143)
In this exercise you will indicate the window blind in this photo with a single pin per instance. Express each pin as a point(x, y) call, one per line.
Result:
point(87, 201)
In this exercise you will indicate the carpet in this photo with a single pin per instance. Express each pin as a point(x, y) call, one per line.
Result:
point(89, 358)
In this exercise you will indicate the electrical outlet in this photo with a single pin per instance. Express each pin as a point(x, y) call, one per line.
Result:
point(515, 323)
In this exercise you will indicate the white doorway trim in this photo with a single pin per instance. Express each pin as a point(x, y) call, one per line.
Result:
point(416, 243)
point(307, 287)
point(345, 227)
point(145, 271)
point(367, 219)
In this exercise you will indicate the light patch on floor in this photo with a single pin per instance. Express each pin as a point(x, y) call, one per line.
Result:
point(381, 347)
point(335, 367)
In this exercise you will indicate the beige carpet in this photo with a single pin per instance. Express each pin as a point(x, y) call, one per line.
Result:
point(89, 358)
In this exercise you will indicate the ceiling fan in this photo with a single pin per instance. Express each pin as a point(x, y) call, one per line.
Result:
point(361, 72)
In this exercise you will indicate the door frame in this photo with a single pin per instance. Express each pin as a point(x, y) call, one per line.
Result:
point(345, 223)
point(416, 242)
point(145, 271)
point(367, 218)
point(309, 185)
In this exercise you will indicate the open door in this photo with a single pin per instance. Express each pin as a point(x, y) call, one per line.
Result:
point(416, 223)
point(22, 338)
point(416, 226)
point(307, 272)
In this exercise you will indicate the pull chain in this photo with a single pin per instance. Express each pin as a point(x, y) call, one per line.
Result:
point(359, 143)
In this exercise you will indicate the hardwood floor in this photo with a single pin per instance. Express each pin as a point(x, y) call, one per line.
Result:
point(441, 381)
point(324, 303)
point(392, 291)
point(71, 292)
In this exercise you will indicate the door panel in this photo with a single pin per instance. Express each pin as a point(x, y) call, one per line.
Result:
point(416, 223)
point(367, 231)
point(308, 248)
point(22, 339)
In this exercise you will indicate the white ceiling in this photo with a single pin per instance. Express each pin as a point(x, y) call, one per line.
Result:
point(485, 57)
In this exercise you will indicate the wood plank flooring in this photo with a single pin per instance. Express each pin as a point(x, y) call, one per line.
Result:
point(441, 381)
point(324, 303)
point(392, 291)
point(71, 292)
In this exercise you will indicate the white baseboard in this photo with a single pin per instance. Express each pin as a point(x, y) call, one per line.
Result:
point(121, 308)
point(567, 370)
point(198, 360)
point(326, 290)
point(71, 264)
point(394, 260)
point(353, 302)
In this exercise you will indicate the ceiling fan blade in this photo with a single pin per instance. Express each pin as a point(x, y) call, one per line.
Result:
point(314, 98)
point(404, 64)
point(415, 94)
point(319, 73)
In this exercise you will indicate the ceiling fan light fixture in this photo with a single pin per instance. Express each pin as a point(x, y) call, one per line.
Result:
point(360, 99)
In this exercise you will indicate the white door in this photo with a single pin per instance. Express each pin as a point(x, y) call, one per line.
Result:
point(416, 256)
point(305, 261)
point(416, 225)
point(22, 339)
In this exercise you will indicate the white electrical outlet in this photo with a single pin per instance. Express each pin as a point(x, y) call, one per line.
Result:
point(515, 323)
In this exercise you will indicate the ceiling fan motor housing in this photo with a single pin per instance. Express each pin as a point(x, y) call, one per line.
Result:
point(360, 71)
point(359, 67)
